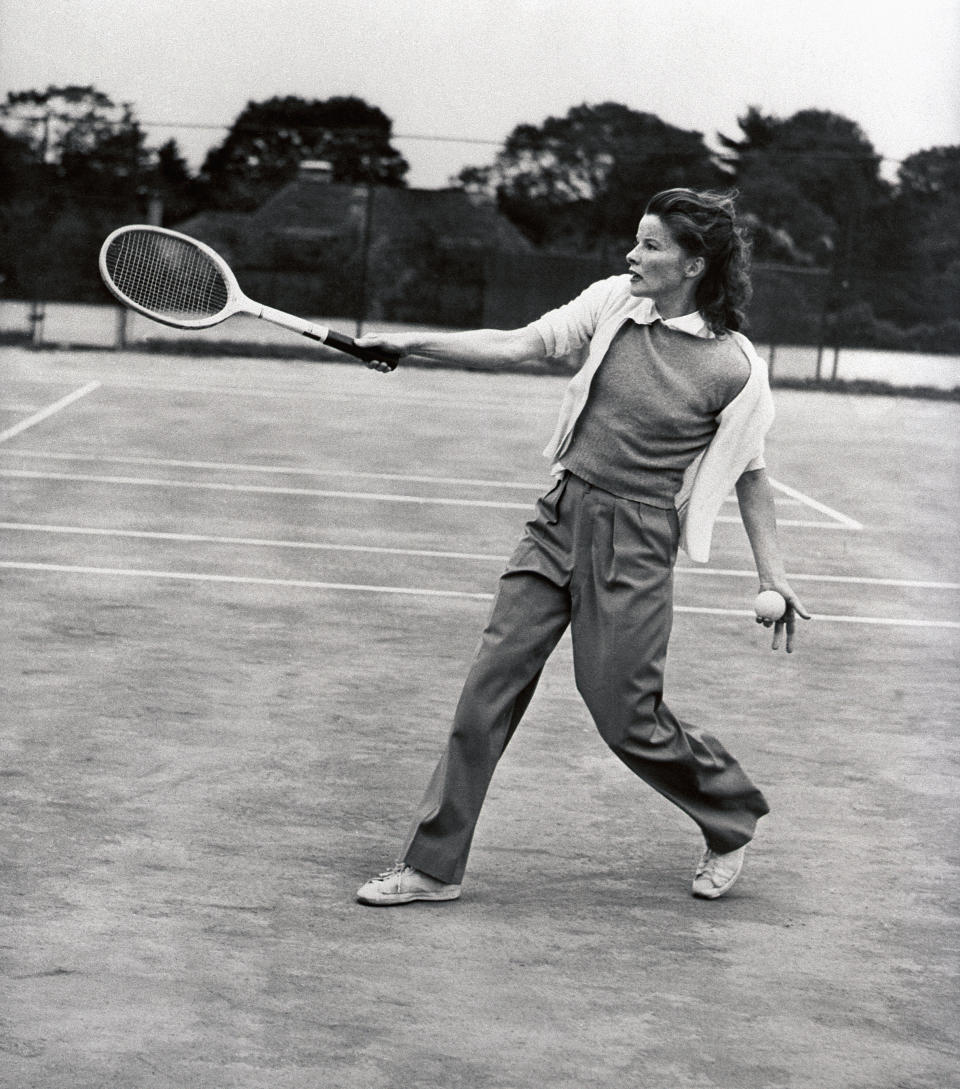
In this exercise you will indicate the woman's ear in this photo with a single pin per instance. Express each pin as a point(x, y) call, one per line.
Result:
point(695, 266)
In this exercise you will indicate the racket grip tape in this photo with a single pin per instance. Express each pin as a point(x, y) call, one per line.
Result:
point(370, 355)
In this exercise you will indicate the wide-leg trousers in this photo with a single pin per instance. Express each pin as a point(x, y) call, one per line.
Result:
point(604, 566)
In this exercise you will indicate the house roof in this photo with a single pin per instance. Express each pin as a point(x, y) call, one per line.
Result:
point(224, 231)
point(313, 212)
point(316, 209)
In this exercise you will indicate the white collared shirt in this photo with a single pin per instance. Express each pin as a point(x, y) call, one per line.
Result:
point(691, 323)
point(584, 329)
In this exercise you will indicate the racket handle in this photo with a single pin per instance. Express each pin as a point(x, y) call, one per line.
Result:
point(370, 355)
point(339, 341)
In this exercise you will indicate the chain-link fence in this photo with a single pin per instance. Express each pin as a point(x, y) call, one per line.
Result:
point(382, 258)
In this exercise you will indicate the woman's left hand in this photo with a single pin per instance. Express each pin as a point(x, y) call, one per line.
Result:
point(788, 622)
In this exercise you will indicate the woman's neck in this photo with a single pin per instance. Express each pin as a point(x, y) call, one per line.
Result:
point(675, 306)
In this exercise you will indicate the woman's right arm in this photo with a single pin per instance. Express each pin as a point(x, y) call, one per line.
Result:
point(479, 347)
point(558, 333)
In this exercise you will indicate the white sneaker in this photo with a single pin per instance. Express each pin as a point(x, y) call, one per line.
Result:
point(401, 884)
point(716, 874)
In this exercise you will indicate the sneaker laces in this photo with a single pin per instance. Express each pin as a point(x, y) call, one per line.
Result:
point(395, 871)
point(708, 857)
point(712, 863)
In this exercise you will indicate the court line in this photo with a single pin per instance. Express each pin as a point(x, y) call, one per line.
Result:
point(290, 470)
point(259, 542)
point(46, 413)
point(792, 493)
point(279, 470)
point(258, 489)
point(381, 497)
point(243, 580)
point(830, 618)
point(815, 504)
point(325, 395)
point(430, 553)
point(854, 580)
point(411, 591)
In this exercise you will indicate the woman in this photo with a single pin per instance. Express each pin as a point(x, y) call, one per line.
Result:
point(667, 414)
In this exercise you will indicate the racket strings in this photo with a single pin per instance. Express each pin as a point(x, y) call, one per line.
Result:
point(168, 276)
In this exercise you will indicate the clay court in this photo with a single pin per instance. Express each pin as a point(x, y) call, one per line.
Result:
point(239, 599)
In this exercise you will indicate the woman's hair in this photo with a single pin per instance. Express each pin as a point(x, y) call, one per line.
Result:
point(704, 223)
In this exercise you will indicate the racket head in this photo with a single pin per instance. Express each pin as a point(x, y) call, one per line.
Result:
point(169, 277)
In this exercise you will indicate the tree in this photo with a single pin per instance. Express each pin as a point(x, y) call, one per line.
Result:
point(927, 211)
point(931, 176)
point(88, 145)
point(810, 182)
point(19, 170)
point(581, 180)
point(74, 165)
point(170, 180)
point(268, 141)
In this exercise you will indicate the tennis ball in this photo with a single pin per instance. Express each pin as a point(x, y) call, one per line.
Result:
point(769, 605)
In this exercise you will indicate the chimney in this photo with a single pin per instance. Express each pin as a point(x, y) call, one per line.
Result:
point(317, 171)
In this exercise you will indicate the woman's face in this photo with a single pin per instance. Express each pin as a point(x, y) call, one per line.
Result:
point(660, 269)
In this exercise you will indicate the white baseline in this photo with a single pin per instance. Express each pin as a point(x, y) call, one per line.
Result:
point(428, 553)
point(413, 591)
point(322, 493)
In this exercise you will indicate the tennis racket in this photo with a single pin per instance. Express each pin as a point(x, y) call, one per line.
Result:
point(178, 281)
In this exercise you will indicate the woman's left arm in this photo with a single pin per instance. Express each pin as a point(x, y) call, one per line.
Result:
point(755, 497)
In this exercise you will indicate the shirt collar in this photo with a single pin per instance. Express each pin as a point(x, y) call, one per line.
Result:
point(693, 323)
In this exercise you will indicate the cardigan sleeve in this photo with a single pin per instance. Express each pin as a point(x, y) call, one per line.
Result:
point(569, 328)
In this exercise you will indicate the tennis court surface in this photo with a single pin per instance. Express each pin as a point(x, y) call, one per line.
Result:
point(239, 599)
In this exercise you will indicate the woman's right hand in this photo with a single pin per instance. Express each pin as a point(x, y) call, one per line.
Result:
point(401, 343)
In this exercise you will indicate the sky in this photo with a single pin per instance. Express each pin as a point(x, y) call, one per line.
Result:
point(471, 70)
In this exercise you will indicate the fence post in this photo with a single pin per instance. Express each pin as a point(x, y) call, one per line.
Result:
point(365, 258)
point(821, 339)
point(155, 218)
point(120, 329)
point(38, 311)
